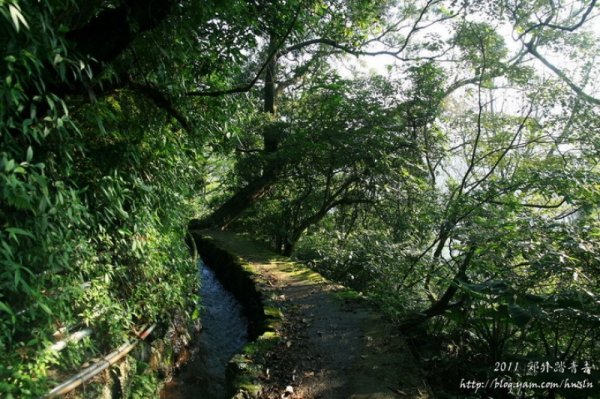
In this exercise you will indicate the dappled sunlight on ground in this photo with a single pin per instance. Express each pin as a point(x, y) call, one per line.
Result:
point(332, 345)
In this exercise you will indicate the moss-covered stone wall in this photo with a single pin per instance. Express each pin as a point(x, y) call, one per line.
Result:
point(238, 279)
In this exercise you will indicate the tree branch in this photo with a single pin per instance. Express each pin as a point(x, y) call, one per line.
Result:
point(578, 90)
point(471, 164)
point(516, 59)
point(443, 304)
point(299, 73)
point(571, 28)
point(274, 53)
point(538, 206)
point(347, 49)
point(504, 153)
point(162, 102)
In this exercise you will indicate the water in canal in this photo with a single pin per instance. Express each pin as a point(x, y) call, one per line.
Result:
point(224, 333)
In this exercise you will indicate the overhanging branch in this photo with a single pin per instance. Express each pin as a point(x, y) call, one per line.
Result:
point(578, 90)
point(162, 102)
point(247, 87)
point(548, 205)
point(546, 23)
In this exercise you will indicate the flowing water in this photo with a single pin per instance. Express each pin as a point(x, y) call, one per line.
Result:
point(224, 333)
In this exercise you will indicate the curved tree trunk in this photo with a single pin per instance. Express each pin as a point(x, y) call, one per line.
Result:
point(441, 305)
point(229, 211)
point(233, 207)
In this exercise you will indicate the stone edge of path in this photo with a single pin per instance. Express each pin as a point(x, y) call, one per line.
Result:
point(245, 369)
point(245, 373)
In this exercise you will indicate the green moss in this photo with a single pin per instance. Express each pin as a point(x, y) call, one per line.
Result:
point(252, 389)
point(347, 294)
point(269, 335)
point(272, 311)
point(244, 280)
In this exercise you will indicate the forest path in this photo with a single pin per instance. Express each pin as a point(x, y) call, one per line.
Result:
point(333, 344)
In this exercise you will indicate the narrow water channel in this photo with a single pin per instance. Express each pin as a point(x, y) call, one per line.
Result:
point(224, 333)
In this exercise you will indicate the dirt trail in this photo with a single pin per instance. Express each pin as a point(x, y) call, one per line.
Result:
point(334, 345)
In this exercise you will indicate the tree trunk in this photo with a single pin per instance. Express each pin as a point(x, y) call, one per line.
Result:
point(253, 191)
point(289, 243)
point(443, 304)
point(233, 207)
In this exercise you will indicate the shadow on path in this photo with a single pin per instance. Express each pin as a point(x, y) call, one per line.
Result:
point(334, 345)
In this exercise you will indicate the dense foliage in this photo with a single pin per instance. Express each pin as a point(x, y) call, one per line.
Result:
point(456, 184)
point(95, 200)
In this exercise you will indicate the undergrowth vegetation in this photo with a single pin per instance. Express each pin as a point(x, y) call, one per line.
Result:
point(95, 199)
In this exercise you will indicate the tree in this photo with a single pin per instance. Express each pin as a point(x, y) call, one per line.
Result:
point(305, 30)
point(362, 141)
point(458, 188)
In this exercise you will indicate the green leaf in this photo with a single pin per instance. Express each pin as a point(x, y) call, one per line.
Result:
point(58, 59)
point(13, 232)
point(16, 16)
point(4, 307)
point(10, 165)
point(45, 308)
